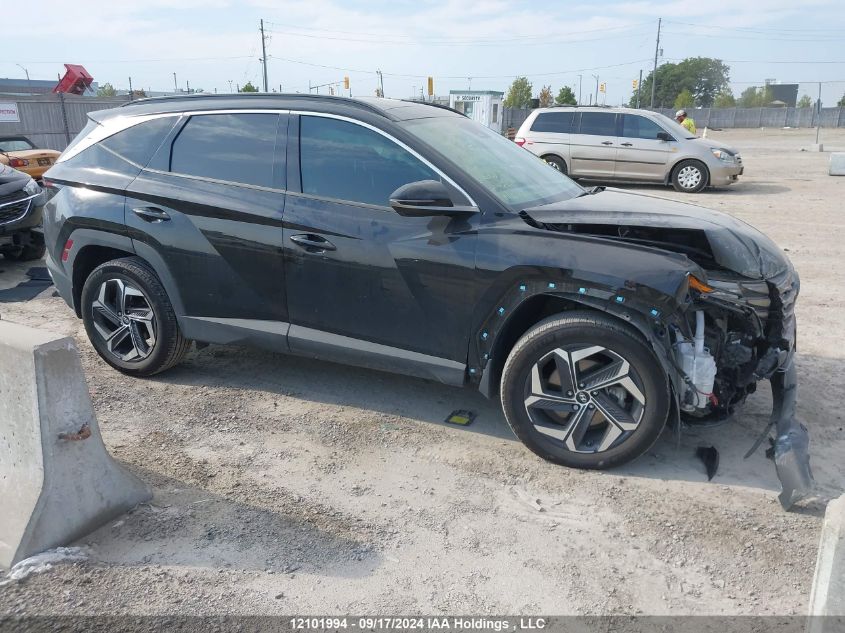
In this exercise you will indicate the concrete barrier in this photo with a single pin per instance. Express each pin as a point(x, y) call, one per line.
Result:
point(827, 600)
point(57, 482)
point(837, 164)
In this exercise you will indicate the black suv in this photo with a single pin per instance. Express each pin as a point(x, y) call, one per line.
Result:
point(21, 202)
point(404, 237)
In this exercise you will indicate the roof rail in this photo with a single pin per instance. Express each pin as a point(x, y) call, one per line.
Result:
point(255, 95)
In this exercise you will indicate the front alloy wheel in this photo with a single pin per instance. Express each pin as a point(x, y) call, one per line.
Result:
point(585, 390)
point(588, 398)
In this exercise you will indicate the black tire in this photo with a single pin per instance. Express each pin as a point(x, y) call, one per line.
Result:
point(586, 329)
point(169, 346)
point(556, 163)
point(35, 248)
point(690, 184)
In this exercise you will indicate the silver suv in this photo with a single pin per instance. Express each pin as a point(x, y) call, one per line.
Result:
point(625, 144)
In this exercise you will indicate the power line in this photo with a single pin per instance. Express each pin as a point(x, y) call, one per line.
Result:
point(141, 61)
point(755, 29)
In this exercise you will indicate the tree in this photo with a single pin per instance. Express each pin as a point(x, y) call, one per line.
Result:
point(804, 102)
point(755, 97)
point(841, 102)
point(684, 100)
point(704, 77)
point(248, 87)
point(545, 97)
point(519, 94)
point(566, 97)
point(725, 99)
point(106, 90)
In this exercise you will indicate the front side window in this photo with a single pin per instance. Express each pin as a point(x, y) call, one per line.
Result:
point(231, 147)
point(560, 122)
point(514, 175)
point(346, 161)
point(598, 123)
point(634, 126)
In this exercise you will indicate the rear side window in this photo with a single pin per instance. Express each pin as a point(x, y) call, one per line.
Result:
point(231, 147)
point(138, 143)
point(634, 126)
point(346, 161)
point(598, 123)
point(553, 122)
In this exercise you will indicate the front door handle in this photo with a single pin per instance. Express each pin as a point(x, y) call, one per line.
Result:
point(151, 214)
point(607, 142)
point(312, 243)
point(627, 144)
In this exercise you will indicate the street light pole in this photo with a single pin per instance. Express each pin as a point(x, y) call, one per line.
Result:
point(596, 77)
point(28, 82)
point(579, 89)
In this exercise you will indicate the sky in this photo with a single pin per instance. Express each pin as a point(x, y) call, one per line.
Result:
point(477, 44)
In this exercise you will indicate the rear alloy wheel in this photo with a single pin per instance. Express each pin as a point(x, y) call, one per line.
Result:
point(584, 391)
point(129, 318)
point(690, 176)
point(555, 163)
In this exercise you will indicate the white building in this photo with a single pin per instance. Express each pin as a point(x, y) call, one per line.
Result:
point(484, 106)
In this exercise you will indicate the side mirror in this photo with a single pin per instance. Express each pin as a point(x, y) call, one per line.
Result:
point(425, 198)
point(664, 136)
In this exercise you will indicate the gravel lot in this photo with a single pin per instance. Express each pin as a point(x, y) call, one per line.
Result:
point(285, 485)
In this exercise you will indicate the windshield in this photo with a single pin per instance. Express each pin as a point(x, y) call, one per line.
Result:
point(673, 127)
point(514, 175)
point(15, 145)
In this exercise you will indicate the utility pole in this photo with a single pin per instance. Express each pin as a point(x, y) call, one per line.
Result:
point(264, 54)
point(596, 77)
point(188, 84)
point(579, 89)
point(230, 85)
point(28, 82)
point(819, 114)
point(640, 83)
point(175, 85)
point(130, 88)
point(654, 71)
point(380, 83)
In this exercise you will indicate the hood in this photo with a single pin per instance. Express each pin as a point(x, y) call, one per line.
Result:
point(11, 180)
point(713, 240)
point(713, 143)
point(31, 154)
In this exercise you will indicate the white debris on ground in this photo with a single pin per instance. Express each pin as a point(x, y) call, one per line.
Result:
point(44, 562)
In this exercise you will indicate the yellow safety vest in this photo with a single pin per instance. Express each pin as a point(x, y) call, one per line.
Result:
point(689, 124)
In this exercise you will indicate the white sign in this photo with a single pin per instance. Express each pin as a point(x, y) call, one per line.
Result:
point(9, 113)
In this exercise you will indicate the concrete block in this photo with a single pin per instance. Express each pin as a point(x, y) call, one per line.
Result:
point(827, 599)
point(837, 164)
point(57, 481)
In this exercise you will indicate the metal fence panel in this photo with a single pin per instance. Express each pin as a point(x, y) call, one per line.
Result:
point(42, 120)
point(762, 117)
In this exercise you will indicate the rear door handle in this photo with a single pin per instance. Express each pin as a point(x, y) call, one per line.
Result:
point(312, 243)
point(151, 214)
point(607, 142)
point(627, 144)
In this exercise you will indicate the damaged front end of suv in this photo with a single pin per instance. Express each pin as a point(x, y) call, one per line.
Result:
point(730, 321)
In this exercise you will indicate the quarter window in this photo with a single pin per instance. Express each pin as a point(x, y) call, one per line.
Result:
point(634, 126)
point(139, 142)
point(346, 161)
point(598, 123)
point(232, 147)
point(560, 122)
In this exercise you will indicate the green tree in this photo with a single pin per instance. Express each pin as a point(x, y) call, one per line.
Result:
point(841, 102)
point(106, 90)
point(519, 94)
point(565, 96)
point(704, 77)
point(755, 97)
point(804, 102)
point(725, 99)
point(545, 97)
point(684, 100)
point(248, 87)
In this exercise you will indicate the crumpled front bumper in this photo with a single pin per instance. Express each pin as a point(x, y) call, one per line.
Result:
point(792, 442)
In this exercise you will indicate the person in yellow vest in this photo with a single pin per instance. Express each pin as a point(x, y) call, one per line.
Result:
point(682, 118)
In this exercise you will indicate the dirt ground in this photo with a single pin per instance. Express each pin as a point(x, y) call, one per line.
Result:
point(285, 485)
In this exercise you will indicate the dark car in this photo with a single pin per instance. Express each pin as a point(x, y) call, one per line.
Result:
point(404, 237)
point(21, 203)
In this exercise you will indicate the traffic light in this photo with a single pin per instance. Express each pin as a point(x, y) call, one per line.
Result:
point(431, 86)
point(634, 84)
point(602, 88)
point(346, 82)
